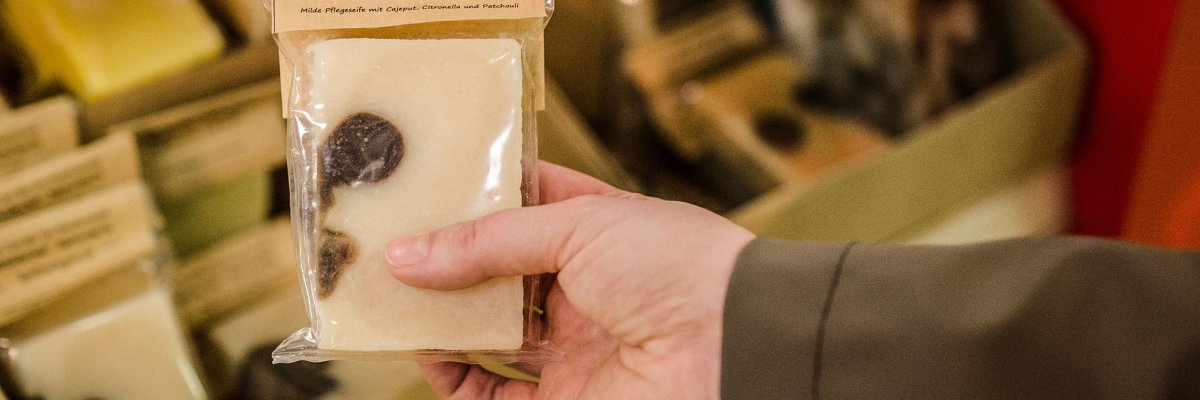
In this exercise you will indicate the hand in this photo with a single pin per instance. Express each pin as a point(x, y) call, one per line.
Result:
point(638, 301)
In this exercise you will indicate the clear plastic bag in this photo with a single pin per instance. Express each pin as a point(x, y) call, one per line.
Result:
point(398, 126)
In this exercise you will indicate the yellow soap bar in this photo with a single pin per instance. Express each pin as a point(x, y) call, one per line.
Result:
point(98, 48)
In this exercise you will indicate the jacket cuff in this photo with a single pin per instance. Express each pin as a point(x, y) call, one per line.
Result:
point(774, 310)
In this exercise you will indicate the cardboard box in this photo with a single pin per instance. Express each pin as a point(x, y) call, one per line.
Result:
point(1038, 205)
point(748, 121)
point(1001, 136)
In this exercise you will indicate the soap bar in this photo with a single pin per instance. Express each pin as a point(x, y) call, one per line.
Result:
point(208, 161)
point(245, 340)
point(133, 350)
point(37, 132)
point(239, 269)
point(210, 142)
point(100, 164)
point(98, 48)
point(412, 135)
point(61, 249)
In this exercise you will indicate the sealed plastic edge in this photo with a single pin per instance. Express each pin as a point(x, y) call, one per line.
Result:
point(301, 346)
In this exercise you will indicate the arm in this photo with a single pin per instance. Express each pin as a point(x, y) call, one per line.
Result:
point(1028, 318)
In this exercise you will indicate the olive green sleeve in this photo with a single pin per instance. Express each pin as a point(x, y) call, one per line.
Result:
point(1019, 319)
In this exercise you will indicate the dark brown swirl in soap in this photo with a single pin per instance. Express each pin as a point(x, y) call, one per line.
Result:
point(364, 148)
point(337, 251)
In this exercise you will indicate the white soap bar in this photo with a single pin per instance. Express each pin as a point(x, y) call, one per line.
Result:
point(135, 350)
point(243, 339)
point(412, 135)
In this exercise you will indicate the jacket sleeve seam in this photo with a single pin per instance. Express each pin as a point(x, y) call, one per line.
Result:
point(821, 326)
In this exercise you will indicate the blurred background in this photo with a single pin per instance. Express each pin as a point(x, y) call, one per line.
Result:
point(145, 248)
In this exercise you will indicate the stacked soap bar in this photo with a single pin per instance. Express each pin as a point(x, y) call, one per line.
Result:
point(245, 339)
point(60, 249)
point(132, 350)
point(97, 48)
point(37, 132)
point(411, 135)
point(208, 162)
point(99, 164)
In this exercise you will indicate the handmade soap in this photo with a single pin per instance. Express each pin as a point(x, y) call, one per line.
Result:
point(208, 161)
point(98, 48)
point(100, 164)
point(37, 132)
point(241, 268)
point(411, 135)
point(245, 339)
point(62, 248)
point(210, 142)
point(133, 350)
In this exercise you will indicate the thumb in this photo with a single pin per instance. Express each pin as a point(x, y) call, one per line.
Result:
point(522, 241)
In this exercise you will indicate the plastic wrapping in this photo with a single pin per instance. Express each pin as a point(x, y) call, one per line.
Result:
point(403, 120)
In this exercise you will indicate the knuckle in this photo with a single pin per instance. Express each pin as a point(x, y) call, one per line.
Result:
point(467, 235)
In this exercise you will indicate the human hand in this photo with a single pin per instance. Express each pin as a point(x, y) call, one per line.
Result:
point(638, 301)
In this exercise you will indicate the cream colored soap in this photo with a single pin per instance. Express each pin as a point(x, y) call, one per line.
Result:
point(457, 105)
point(135, 350)
point(240, 337)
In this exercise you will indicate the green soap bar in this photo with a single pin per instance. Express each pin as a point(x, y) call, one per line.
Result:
point(98, 48)
point(205, 218)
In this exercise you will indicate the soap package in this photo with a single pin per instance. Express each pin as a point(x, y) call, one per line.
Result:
point(36, 132)
point(63, 248)
point(214, 283)
point(83, 313)
point(404, 119)
point(118, 337)
point(240, 298)
point(209, 162)
point(100, 164)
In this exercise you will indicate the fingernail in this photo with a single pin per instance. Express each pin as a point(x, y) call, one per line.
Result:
point(408, 252)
